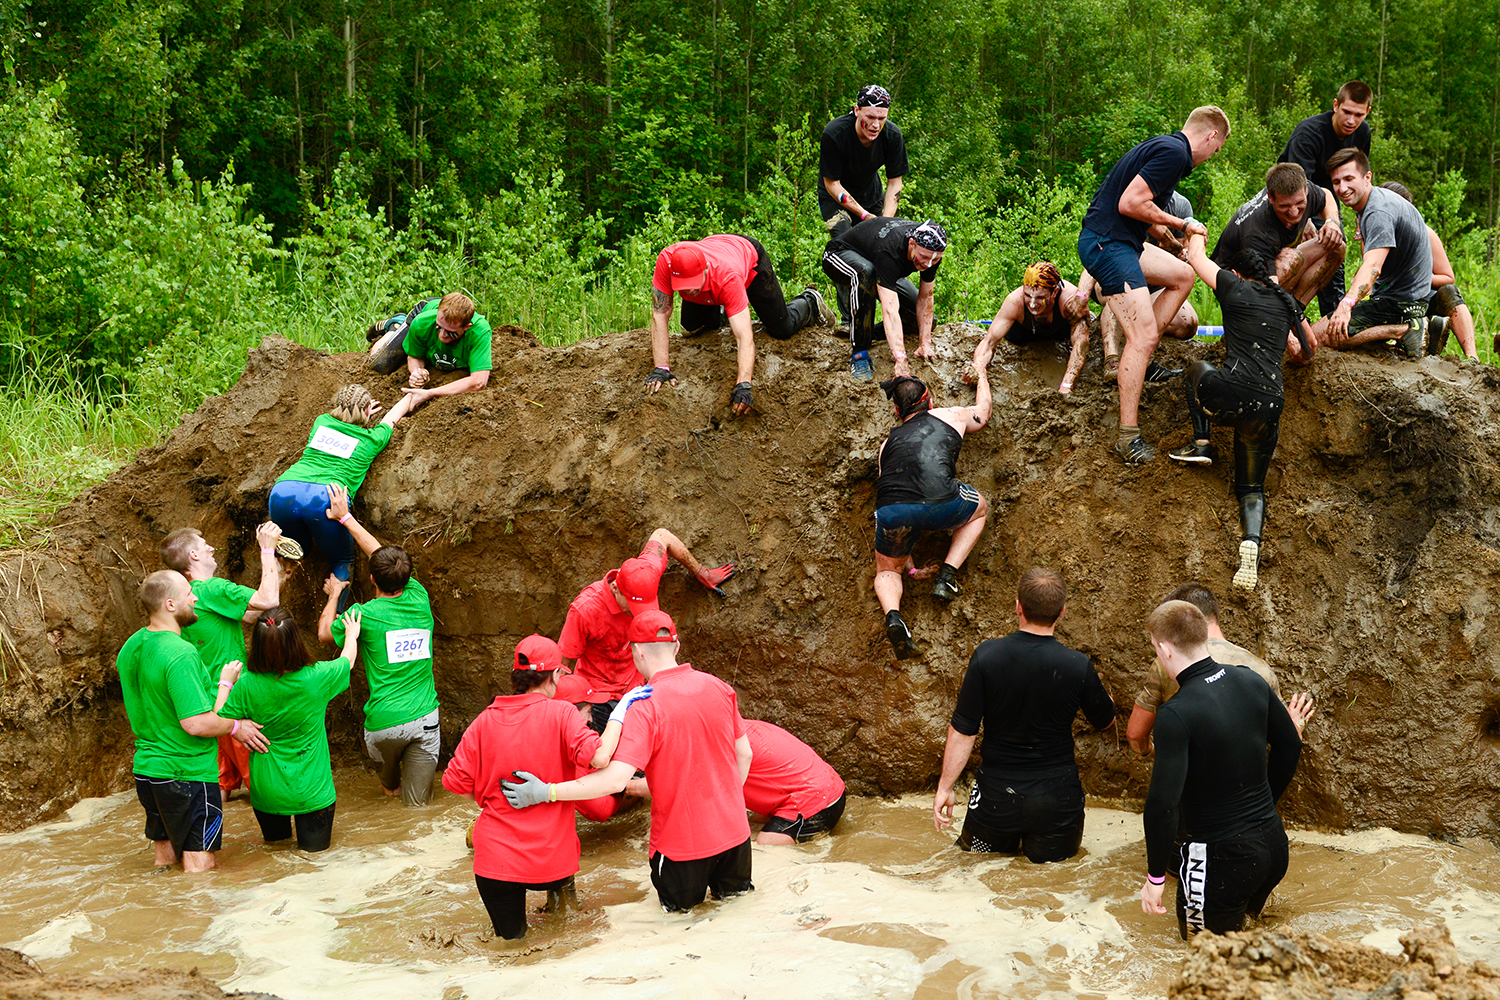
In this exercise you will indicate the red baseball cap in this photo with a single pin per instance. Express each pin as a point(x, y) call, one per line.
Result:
point(645, 627)
point(687, 265)
point(537, 652)
point(638, 579)
point(574, 688)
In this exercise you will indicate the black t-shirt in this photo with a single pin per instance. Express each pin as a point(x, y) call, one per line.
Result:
point(1211, 760)
point(1313, 141)
point(1256, 321)
point(842, 157)
point(918, 462)
point(1162, 161)
point(883, 242)
point(1026, 689)
point(1256, 227)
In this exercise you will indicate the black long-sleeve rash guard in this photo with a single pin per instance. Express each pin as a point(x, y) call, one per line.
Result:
point(1211, 760)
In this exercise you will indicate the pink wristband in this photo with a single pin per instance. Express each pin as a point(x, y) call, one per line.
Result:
point(345, 519)
point(899, 356)
point(267, 552)
point(1347, 301)
point(235, 728)
point(226, 684)
point(1156, 879)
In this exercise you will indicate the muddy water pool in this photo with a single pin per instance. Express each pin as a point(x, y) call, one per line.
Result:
point(885, 908)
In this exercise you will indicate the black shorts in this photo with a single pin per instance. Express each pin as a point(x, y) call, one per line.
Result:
point(314, 829)
point(1381, 310)
point(1218, 883)
point(506, 902)
point(1039, 817)
point(188, 813)
point(681, 885)
point(805, 828)
point(1444, 301)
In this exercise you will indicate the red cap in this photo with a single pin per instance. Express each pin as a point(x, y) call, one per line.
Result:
point(638, 579)
point(574, 688)
point(537, 652)
point(645, 626)
point(687, 266)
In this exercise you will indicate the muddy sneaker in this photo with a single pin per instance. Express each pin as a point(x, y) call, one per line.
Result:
point(1414, 341)
point(1195, 454)
point(899, 635)
point(1437, 334)
point(1135, 451)
point(860, 367)
point(946, 590)
point(1248, 573)
point(822, 315)
point(1160, 373)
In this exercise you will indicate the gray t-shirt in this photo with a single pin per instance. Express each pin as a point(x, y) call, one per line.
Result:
point(1389, 220)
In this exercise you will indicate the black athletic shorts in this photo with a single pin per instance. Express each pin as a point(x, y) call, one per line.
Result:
point(314, 829)
point(681, 885)
point(805, 828)
point(1381, 310)
point(1444, 301)
point(506, 902)
point(1218, 883)
point(188, 813)
point(1041, 818)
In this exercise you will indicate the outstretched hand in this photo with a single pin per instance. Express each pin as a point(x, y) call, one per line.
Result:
point(635, 694)
point(338, 502)
point(352, 625)
point(714, 578)
point(417, 396)
point(268, 535)
point(1301, 709)
point(333, 586)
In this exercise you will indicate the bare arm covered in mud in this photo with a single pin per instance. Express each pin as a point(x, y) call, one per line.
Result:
point(968, 418)
point(1006, 317)
point(1359, 288)
point(1075, 309)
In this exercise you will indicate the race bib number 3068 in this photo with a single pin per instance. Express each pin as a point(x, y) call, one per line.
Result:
point(332, 442)
point(404, 645)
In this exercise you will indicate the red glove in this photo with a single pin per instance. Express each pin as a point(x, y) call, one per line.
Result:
point(712, 578)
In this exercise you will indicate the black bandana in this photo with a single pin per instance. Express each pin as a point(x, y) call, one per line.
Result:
point(873, 96)
point(930, 236)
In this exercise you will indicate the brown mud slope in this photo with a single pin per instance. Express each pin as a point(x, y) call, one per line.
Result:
point(1263, 965)
point(23, 979)
point(1382, 553)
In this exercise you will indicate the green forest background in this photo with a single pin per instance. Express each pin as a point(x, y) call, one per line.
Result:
point(178, 180)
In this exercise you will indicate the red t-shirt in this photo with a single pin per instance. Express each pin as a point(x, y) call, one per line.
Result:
point(594, 634)
point(787, 777)
point(522, 732)
point(731, 266)
point(683, 738)
point(604, 806)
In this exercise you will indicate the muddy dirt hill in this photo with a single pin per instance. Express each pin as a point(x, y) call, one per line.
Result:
point(1381, 556)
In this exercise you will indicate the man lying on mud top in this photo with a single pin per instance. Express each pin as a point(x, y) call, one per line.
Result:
point(447, 334)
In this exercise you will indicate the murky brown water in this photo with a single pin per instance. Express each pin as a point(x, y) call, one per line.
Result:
point(886, 908)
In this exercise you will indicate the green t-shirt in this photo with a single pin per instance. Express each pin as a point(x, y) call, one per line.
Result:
point(470, 352)
point(395, 639)
point(295, 775)
point(161, 677)
point(338, 453)
point(218, 634)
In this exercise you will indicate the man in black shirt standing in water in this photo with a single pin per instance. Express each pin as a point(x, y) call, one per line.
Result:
point(917, 491)
point(1025, 688)
point(1212, 771)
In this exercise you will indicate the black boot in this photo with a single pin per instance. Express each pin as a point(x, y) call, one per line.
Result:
point(1252, 520)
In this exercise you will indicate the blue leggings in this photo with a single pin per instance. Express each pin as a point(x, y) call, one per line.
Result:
point(299, 508)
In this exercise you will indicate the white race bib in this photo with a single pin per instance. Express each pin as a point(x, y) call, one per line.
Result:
point(332, 442)
point(406, 644)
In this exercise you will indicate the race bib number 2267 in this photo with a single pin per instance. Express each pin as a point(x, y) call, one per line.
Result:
point(407, 644)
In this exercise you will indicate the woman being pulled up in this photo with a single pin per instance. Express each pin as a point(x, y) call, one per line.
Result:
point(1261, 320)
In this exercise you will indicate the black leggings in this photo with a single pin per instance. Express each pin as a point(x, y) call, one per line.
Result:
point(314, 829)
point(506, 902)
point(853, 275)
point(778, 318)
point(1256, 419)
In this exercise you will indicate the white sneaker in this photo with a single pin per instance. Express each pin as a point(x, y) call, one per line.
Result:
point(1248, 573)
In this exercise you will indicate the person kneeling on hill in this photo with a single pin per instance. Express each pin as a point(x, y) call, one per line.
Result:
point(1260, 320)
point(447, 334)
point(917, 491)
point(1446, 309)
point(719, 279)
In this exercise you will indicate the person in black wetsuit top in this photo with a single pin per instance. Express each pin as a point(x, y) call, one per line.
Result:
point(1260, 321)
point(1213, 773)
point(1044, 310)
point(918, 491)
point(1025, 689)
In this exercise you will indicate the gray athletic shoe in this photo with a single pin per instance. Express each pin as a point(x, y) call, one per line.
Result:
point(824, 316)
point(861, 369)
point(1135, 451)
point(1414, 341)
point(1437, 334)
